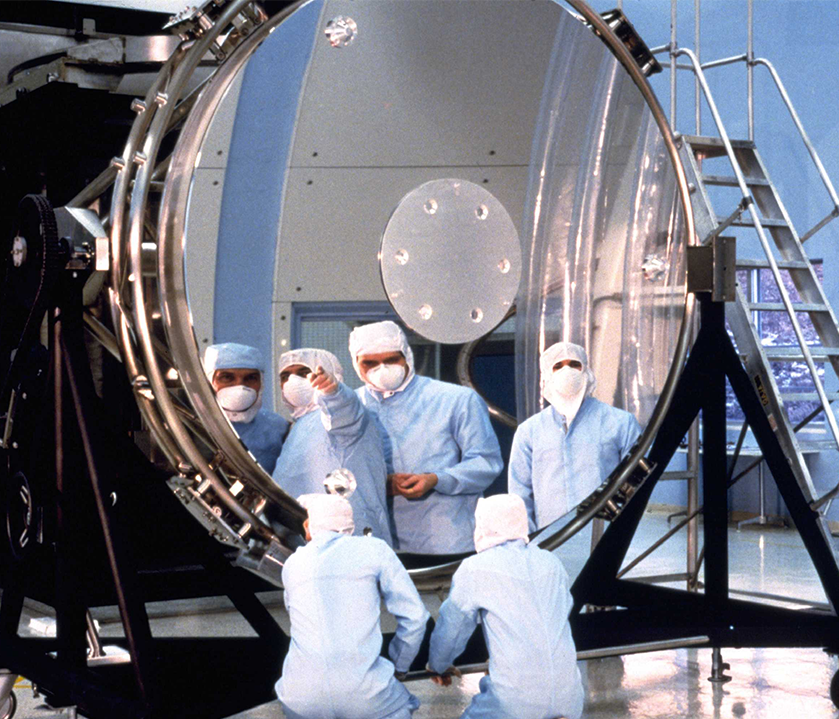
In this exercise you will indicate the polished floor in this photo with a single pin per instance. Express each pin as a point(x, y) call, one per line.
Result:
point(765, 683)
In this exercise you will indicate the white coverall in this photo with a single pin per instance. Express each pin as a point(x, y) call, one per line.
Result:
point(520, 594)
point(334, 587)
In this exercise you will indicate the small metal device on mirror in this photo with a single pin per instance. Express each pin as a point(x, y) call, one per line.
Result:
point(341, 482)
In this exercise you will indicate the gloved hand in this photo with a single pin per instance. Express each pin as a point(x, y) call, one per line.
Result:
point(323, 382)
point(444, 679)
point(412, 486)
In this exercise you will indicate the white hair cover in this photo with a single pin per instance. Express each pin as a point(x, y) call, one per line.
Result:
point(231, 355)
point(565, 405)
point(311, 358)
point(328, 513)
point(498, 519)
point(563, 351)
point(377, 338)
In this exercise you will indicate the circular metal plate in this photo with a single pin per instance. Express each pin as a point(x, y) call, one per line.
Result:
point(450, 260)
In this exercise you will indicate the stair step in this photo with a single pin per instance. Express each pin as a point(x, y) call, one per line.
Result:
point(749, 222)
point(678, 474)
point(793, 354)
point(731, 181)
point(816, 445)
point(807, 446)
point(747, 263)
point(713, 146)
point(793, 395)
point(779, 307)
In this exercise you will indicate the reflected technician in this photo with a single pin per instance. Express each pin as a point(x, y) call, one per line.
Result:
point(563, 453)
point(236, 372)
point(439, 445)
point(332, 430)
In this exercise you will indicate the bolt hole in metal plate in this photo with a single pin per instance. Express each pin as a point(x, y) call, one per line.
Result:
point(450, 260)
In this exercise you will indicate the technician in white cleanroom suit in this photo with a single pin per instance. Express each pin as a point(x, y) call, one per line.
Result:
point(236, 371)
point(563, 453)
point(520, 595)
point(331, 430)
point(440, 448)
point(334, 587)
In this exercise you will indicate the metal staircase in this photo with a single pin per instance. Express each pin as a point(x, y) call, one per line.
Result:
point(761, 208)
point(742, 187)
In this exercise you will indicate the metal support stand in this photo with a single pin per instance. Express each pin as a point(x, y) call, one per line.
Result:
point(8, 702)
point(762, 519)
point(94, 646)
point(105, 549)
point(70, 365)
point(718, 668)
point(648, 612)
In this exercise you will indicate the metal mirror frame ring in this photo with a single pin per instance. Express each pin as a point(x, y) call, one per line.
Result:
point(171, 270)
point(623, 471)
point(134, 324)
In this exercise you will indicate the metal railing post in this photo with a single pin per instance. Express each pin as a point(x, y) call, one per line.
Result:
point(697, 98)
point(674, 46)
point(750, 71)
point(773, 264)
point(801, 131)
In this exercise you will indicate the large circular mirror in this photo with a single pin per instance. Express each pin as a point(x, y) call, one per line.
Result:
point(300, 149)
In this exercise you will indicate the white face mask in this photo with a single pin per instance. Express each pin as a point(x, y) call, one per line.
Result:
point(567, 382)
point(239, 402)
point(298, 392)
point(386, 377)
point(236, 398)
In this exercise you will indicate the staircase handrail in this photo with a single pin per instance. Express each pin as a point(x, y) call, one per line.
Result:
point(825, 178)
point(782, 91)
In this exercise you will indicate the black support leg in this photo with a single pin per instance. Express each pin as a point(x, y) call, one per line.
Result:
point(69, 611)
point(714, 465)
point(804, 518)
point(85, 408)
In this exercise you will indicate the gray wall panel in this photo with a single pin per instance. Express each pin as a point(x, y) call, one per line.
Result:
point(427, 82)
point(429, 89)
point(332, 228)
point(200, 250)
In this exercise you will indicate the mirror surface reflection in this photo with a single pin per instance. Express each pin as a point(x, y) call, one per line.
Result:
point(336, 117)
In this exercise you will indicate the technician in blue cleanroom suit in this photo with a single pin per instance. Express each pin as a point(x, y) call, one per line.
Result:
point(331, 430)
point(236, 372)
point(520, 595)
point(439, 445)
point(563, 453)
point(334, 587)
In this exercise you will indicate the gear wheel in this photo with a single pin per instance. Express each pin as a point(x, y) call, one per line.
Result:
point(31, 262)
